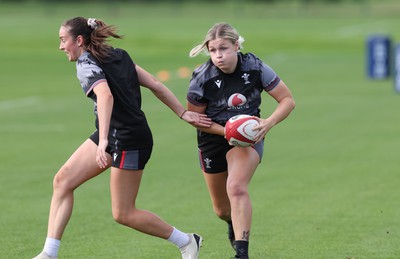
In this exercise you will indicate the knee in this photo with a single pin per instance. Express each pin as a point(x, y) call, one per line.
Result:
point(123, 217)
point(61, 182)
point(236, 190)
point(223, 213)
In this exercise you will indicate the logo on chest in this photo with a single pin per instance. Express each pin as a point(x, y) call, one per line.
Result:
point(236, 100)
point(218, 83)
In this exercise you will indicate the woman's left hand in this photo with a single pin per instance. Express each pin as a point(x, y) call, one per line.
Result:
point(264, 126)
point(101, 155)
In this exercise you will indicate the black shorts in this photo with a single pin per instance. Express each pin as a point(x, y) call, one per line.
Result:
point(213, 150)
point(135, 159)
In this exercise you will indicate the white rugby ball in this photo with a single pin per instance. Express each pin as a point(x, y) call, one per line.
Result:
point(239, 130)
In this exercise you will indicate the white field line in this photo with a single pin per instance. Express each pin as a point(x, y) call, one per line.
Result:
point(276, 58)
point(362, 29)
point(7, 105)
point(18, 103)
point(40, 128)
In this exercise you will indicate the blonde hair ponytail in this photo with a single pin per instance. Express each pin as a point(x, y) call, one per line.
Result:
point(219, 30)
point(197, 50)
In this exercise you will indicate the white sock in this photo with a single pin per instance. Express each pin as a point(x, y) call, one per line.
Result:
point(51, 246)
point(179, 238)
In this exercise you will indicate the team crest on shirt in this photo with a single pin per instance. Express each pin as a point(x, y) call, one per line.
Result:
point(245, 77)
point(236, 101)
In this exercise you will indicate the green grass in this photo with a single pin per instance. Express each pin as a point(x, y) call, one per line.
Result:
point(328, 183)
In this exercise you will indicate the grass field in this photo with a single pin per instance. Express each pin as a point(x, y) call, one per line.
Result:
point(328, 186)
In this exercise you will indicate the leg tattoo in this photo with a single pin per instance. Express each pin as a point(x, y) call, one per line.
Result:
point(246, 235)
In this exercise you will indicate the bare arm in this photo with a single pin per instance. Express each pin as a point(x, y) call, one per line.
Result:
point(105, 102)
point(168, 98)
point(286, 104)
point(215, 128)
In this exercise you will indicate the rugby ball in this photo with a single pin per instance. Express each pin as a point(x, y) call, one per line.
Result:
point(239, 130)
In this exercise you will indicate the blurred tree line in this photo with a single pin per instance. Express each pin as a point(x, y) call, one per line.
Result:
point(183, 1)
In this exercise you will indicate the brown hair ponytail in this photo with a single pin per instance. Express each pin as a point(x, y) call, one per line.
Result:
point(95, 35)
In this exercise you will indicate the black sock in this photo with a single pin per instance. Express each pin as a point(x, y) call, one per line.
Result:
point(230, 226)
point(242, 248)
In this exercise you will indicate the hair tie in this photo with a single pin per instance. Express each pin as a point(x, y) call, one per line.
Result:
point(91, 22)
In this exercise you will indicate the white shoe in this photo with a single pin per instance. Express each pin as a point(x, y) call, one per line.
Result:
point(191, 250)
point(44, 255)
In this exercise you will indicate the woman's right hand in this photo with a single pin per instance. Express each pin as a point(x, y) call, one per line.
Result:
point(196, 119)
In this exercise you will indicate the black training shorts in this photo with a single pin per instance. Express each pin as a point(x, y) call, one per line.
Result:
point(135, 159)
point(213, 150)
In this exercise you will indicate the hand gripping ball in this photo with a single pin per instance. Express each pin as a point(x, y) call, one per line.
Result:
point(239, 130)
